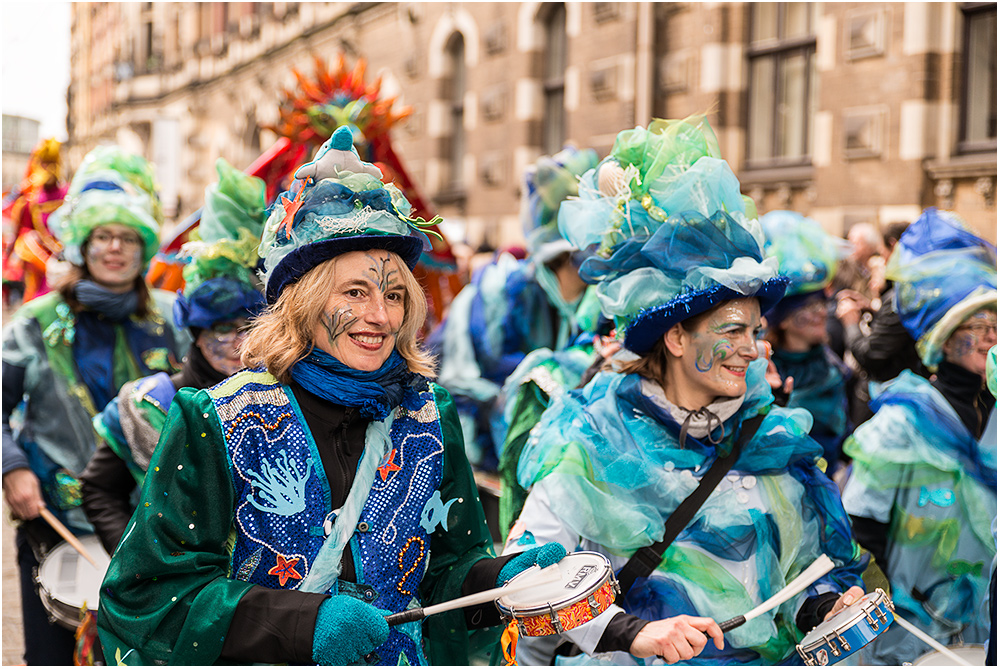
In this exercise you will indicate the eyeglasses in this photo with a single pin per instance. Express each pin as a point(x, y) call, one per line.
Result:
point(228, 332)
point(978, 329)
point(127, 240)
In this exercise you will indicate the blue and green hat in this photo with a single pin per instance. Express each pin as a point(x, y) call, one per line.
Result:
point(943, 273)
point(111, 186)
point(336, 204)
point(220, 283)
point(667, 232)
point(806, 253)
point(547, 183)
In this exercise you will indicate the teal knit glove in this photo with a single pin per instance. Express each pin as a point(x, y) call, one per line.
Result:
point(544, 556)
point(347, 629)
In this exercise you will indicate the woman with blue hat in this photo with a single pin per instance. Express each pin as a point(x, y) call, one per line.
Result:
point(513, 307)
point(922, 492)
point(676, 254)
point(221, 293)
point(66, 355)
point(797, 326)
point(288, 509)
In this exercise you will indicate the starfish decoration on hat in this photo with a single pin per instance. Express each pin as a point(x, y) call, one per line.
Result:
point(285, 569)
point(290, 207)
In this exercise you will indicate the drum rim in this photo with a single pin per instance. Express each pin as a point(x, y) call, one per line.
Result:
point(877, 598)
point(547, 607)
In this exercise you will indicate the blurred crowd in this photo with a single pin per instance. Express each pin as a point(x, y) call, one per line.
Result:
point(288, 408)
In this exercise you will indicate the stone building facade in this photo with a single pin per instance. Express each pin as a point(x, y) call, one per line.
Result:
point(846, 112)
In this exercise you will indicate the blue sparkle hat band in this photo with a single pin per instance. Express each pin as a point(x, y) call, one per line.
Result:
point(650, 324)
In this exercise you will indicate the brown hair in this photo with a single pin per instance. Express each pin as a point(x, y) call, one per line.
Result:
point(283, 334)
point(653, 365)
point(66, 286)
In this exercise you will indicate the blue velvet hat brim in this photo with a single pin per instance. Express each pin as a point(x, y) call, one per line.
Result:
point(294, 265)
point(650, 325)
point(215, 301)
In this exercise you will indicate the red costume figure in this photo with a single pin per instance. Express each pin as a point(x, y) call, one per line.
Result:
point(27, 242)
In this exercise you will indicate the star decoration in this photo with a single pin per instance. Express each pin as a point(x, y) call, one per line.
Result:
point(290, 207)
point(387, 465)
point(285, 569)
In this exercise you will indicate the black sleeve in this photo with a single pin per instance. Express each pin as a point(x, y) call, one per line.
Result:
point(813, 610)
point(14, 456)
point(620, 633)
point(106, 487)
point(273, 626)
point(872, 535)
point(483, 576)
point(888, 349)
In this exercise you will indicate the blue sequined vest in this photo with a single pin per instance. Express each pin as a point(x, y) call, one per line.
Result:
point(283, 501)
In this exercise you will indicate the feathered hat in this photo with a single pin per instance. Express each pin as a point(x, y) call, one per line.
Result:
point(806, 254)
point(219, 281)
point(668, 234)
point(943, 273)
point(110, 186)
point(336, 204)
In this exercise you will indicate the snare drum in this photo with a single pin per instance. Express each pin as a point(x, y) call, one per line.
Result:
point(585, 589)
point(67, 581)
point(973, 653)
point(849, 631)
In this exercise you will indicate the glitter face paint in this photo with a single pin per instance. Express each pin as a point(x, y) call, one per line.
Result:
point(717, 352)
point(971, 341)
point(364, 312)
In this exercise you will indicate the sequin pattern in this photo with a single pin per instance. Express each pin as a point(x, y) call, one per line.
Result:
point(259, 422)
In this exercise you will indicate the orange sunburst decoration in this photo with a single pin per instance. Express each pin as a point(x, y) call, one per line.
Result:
point(335, 97)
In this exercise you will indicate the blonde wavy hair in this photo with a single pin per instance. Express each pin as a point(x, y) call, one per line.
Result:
point(283, 334)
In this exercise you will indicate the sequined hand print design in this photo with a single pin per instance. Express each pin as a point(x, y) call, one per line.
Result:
point(281, 486)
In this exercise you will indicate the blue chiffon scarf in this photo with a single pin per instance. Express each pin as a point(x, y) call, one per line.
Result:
point(376, 392)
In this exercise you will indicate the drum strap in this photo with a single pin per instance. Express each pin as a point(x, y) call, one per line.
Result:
point(646, 559)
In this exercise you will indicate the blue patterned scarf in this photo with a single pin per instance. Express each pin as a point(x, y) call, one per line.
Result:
point(376, 393)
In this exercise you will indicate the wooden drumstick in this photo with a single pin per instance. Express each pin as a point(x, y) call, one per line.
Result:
point(67, 535)
point(820, 567)
point(547, 575)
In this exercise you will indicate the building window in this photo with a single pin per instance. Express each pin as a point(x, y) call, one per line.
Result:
point(456, 125)
point(782, 93)
point(979, 64)
point(554, 83)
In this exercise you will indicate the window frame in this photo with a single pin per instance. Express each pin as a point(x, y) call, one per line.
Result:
point(970, 11)
point(778, 50)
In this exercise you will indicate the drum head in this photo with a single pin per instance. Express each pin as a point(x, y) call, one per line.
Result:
point(972, 653)
point(69, 578)
point(839, 621)
point(579, 575)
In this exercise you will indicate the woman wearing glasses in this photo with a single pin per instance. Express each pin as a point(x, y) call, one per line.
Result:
point(923, 488)
point(221, 293)
point(67, 353)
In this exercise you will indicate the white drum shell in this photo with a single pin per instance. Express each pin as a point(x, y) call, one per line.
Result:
point(972, 653)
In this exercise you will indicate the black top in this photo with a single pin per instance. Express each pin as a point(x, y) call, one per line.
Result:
point(889, 349)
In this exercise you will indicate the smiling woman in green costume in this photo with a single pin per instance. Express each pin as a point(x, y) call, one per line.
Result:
point(289, 508)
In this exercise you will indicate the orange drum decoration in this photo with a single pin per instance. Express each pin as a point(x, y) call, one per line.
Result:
point(586, 589)
point(340, 96)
